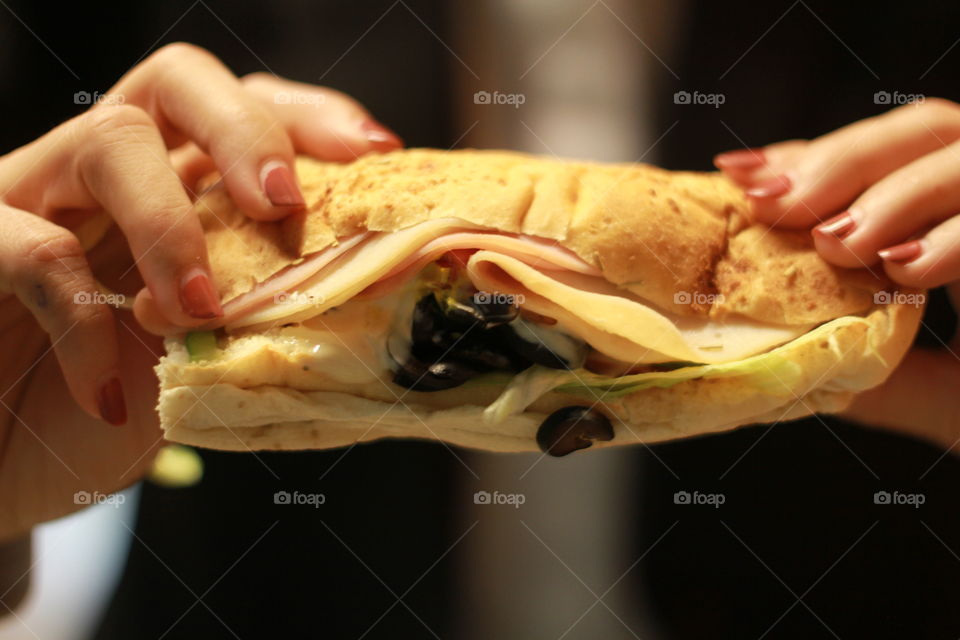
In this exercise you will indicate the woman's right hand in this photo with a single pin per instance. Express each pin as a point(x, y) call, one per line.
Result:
point(135, 154)
point(883, 194)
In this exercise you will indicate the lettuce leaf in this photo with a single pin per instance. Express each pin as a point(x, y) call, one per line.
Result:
point(771, 372)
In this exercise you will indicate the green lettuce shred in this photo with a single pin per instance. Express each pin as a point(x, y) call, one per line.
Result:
point(770, 372)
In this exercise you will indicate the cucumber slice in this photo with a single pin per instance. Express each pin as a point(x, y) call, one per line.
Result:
point(201, 345)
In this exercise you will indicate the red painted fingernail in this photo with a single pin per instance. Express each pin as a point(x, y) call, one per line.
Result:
point(740, 159)
point(772, 188)
point(902, 253)
point(840, 226)
point(279, 185)
point(110, 402)
point(197, 295)
point(380, 138)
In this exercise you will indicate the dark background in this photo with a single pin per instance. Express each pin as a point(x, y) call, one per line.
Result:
point(799, 518)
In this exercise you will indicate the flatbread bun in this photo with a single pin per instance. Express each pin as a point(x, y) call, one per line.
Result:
point(650, 231)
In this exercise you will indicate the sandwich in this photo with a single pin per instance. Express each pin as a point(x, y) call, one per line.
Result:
point(509, 302)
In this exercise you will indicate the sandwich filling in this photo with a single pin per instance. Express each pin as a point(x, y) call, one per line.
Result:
point(445, 303)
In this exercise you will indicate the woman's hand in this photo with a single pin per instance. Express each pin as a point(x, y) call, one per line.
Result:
point(882, 193)
point(134, 155)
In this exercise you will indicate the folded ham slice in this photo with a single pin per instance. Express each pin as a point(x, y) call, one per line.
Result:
point(385, 261)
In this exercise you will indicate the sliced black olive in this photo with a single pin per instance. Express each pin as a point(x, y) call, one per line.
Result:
point(482, 309)
point(535, 352)
point(481, 352)
point(418, 375)
point(427, 320)
point(571, 428)
point(436, 336)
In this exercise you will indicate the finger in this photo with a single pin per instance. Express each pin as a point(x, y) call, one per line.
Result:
point(189, 92)
point(191, 164)
point(837, 167)
point(149, 316)
point(751, 167)
point(906, 202)
point(45, 267)
point(928, 262)
point(114, 158)
point(323, 123)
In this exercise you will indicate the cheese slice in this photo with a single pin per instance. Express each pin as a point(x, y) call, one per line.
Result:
point(618, 325)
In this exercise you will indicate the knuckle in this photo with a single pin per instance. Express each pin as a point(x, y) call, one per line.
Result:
point(240, 126)
point(250, 116)
point(51, 271)
point(120, 122)
point(177, 53)
point(261, 78)
point(936, 111)
point(53, 248)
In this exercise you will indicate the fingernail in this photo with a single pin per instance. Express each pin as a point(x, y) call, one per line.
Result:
point(740, 159)
point(773, 188)
point(902, 253)
point(840, 226)
point(110, 402)
point(197, 295)
point(380, 138)
point(279, 185)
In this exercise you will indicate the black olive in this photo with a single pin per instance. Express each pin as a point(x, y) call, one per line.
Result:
point(571, 428)
point(535, 352)
point(418, 375)
point(482, 309)
point(427, 320)
point(481, 352)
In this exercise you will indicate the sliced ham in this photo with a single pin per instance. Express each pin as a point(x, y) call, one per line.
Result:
point(287, 279)
point(540, 253)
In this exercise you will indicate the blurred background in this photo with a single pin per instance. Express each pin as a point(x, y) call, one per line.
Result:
point(599, 547)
